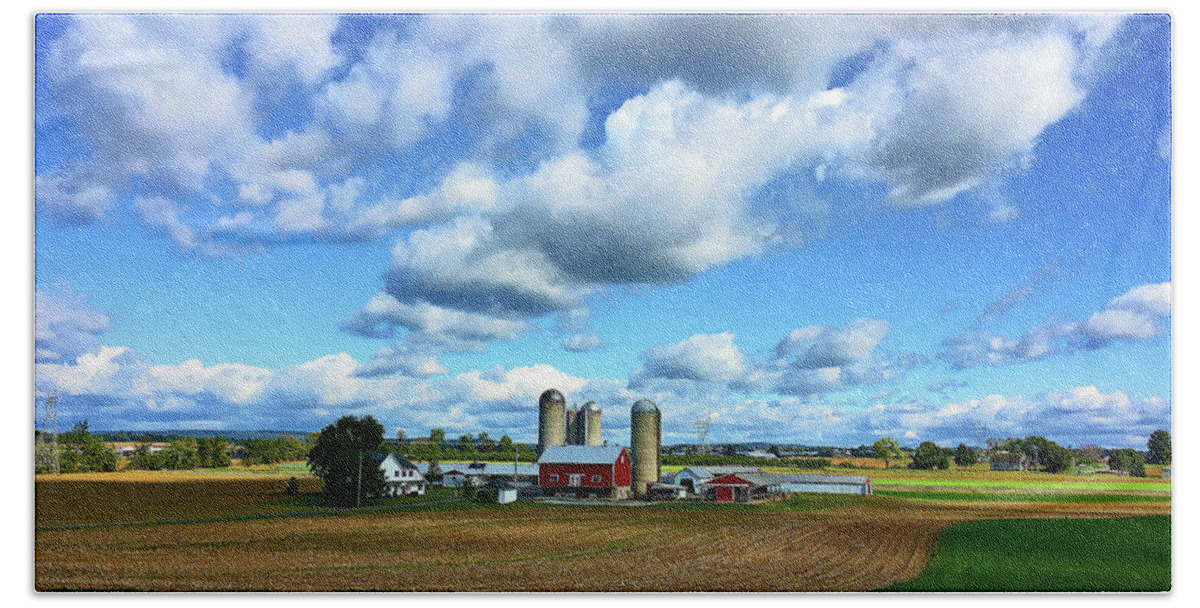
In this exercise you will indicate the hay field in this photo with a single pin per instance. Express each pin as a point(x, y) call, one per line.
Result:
point(860, 545)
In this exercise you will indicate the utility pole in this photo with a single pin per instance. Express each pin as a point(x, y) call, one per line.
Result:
point(516, 456)
point(358, 492)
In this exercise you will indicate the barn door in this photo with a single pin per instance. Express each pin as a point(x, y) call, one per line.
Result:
point(575, 481)
point(724, 494)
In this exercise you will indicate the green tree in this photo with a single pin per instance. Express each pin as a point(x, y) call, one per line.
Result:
point(437, 436)
point(1159, 448)
point(213, 452)
point(887, 449)
point(486, 444)
point(965, 456)
point(344, 460)
point(1127, 462)
point(80, 451)
point(141, 460)
point(182, 454)
point(434, 474)
point(291, 448)
point(929, 456)
point(505, 446)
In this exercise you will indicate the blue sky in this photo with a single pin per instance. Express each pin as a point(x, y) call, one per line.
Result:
point(809, 228)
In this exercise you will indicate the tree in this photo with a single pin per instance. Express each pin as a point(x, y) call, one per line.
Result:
point(888, 450)
point(179, 455)
point(1160, 447)
point(213, 452)
point(929, 456)
point(505, 446)
point(293, 487)
point(1128, 462)
point(400, 437)
point(486, 444)
point(437, 436)
point(344, 460)
point(1090, 453)
point(965, 456)
point(291, 448)
point(80, 451)
point(434, 474)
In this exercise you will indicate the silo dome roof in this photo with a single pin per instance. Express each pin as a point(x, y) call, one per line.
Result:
point(591, 406)
point(552, 396)
point(644, 406)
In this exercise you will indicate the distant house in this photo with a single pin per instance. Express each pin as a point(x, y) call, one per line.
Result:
point(1008, 461)
point(744, 487)
point(401, 476)
point(694, 478)
point(757, 454)
point(478, 474)
point(585, 470)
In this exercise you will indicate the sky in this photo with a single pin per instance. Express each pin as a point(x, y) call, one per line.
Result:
point(815, 229)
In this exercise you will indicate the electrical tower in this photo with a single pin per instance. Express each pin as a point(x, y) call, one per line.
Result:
point(702, 426)
point(46, 450)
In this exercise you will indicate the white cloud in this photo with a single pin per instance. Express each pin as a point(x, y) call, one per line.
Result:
point(1141, 314)
point(702, 357)
point(65, 325)
point(581, 343)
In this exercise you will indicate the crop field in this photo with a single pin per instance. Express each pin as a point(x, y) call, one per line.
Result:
point(1120, 554)
point(814, 542)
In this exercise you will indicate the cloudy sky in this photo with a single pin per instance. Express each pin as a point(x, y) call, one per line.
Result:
point(819, 229)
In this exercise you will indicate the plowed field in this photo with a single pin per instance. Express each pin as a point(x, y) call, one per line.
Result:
point(858, 546)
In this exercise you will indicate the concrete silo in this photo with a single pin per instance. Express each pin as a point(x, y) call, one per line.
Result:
point(551, 419)
point(590, 417)
point(574, 432)
point(646, 436)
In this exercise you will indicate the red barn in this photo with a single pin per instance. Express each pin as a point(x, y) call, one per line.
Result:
point(585, 470)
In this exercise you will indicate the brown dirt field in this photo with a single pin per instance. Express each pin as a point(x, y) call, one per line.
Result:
point(153, 495)
point(856, 547)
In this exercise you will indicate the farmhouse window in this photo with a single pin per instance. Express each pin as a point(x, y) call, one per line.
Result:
point(553, 478)
point(595, 479)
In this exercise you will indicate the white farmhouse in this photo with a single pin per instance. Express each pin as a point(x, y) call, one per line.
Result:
point(401, 476)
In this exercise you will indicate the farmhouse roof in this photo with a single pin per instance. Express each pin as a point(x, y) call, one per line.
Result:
point(400, 461)
point(580, 454)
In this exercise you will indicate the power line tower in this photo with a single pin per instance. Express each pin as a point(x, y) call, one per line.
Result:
point(46, 450)
point(702, 427)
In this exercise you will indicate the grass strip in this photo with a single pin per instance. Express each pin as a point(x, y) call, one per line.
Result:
point(1094, 486)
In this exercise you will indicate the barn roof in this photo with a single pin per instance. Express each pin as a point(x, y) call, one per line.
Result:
point(580, 454)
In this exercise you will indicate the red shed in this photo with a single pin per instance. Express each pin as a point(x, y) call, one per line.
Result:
point(585, 470)
point(729, 488)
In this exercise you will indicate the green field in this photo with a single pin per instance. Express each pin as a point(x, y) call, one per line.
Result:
point(1026, 484)
point(1121, 554)
point(1063, 497)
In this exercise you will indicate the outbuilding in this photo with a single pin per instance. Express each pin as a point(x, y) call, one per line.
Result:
point(1008, 461)
point(744, 487)
point(694, 478)
point(585, 470)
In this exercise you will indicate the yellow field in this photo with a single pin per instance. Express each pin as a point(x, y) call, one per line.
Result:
point(864, 544)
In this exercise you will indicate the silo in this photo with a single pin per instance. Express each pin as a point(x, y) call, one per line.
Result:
point(591, 423)
point(574, 433)
point(551, 419)
point(646, 436)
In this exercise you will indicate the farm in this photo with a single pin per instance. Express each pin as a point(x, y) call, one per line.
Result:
point(234, 530)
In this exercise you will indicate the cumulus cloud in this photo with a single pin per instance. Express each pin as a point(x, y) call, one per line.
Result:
point(1141, 314)
point(703, 358)
point(466, 135)
point(582, 343)
point(65, 325)
point(1079, 415)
